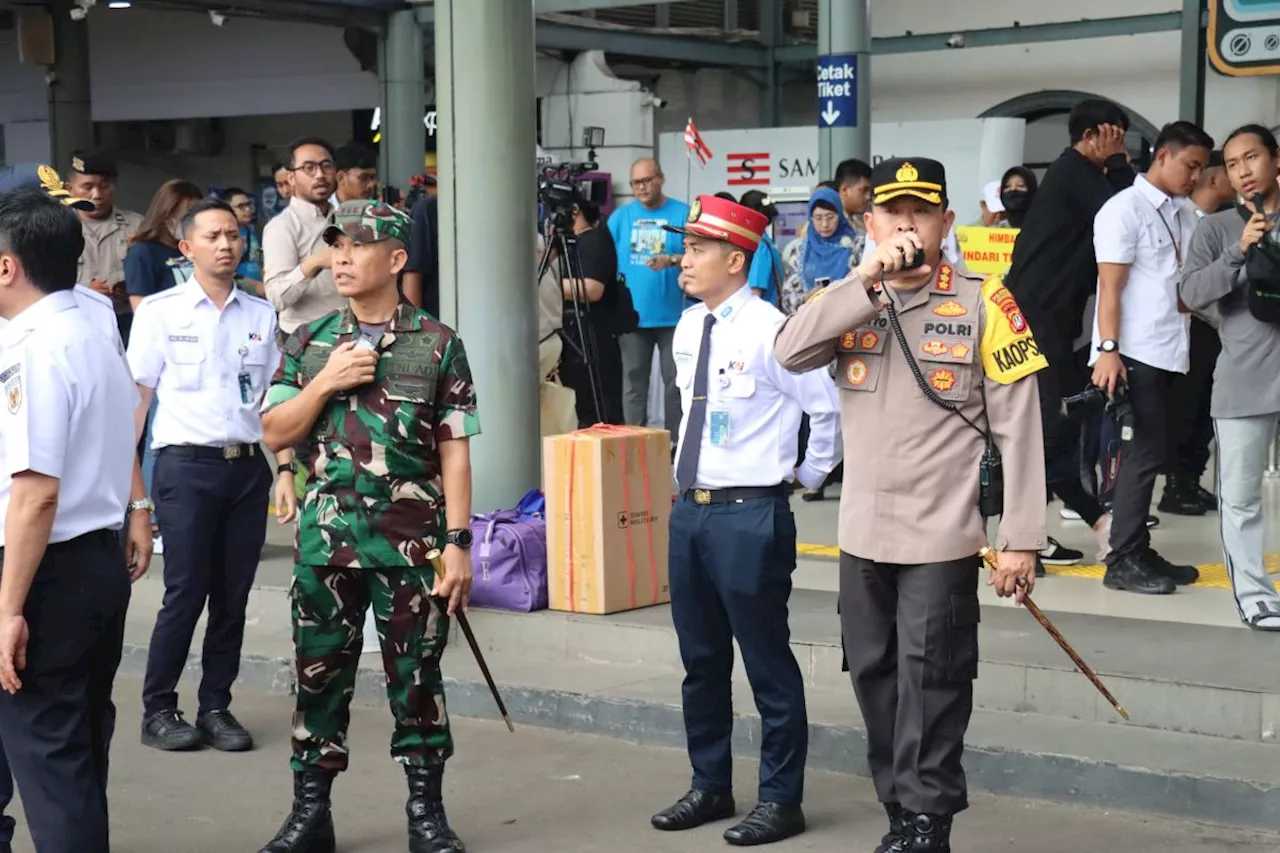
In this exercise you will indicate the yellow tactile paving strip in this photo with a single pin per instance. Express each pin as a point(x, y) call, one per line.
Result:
point(1211, 574)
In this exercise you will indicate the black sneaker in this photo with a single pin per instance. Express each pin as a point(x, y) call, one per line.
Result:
point(1180, 497)
point(1207, 498)
point(1153, 521)
point(166, 730)
point(1181, 575)
point(1056, 555)
point(1136, 573)
point(224, 731)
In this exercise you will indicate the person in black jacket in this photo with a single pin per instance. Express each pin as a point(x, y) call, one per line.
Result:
point(1053, 274)
point(597, 307)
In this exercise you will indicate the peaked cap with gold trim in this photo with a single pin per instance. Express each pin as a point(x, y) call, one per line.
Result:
point(918, 177)
point(720, 219)
point(33, 176)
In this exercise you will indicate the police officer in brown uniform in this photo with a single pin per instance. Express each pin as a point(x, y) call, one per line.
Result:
point(937, 373)
point(107, 230)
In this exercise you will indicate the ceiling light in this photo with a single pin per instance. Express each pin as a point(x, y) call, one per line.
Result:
point(119, 4)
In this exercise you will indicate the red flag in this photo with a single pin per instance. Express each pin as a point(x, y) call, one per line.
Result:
point(694, 142)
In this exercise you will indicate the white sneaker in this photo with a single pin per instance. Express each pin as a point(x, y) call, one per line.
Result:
point(157, 544)
point(1069, 514)
point(1102, 535)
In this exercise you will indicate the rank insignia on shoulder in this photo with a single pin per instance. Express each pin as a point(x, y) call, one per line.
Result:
point(951, 308)
point(1009, 350)
point(945, 284)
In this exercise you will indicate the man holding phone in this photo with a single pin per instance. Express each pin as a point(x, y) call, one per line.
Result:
point(937, 372)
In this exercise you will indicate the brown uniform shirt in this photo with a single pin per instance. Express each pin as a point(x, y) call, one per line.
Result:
point(910, 493)
point(106, 242)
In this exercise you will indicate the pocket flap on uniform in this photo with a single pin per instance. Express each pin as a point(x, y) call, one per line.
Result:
point(184, 349)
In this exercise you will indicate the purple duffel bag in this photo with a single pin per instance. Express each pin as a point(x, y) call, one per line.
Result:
point(509, 557)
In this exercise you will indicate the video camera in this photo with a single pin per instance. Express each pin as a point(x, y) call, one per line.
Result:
point(1092, 400)
point(560, 186)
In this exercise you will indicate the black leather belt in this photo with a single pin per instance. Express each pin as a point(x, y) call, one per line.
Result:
point(195, 451)
point(735, 494)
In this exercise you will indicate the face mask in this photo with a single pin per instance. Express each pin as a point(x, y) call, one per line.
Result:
point(177, 231)
point(1015, 201)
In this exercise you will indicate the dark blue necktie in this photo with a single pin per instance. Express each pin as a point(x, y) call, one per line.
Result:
point(687, 466)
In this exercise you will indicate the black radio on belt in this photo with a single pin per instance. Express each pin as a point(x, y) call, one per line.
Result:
point(990, 481)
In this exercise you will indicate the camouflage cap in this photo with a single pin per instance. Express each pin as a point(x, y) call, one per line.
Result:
point(368, 221)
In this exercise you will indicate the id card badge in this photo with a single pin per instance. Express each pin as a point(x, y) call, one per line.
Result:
point(719, 429)
point(246, 388)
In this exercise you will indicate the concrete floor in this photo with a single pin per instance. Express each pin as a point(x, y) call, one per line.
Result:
point(545, 791)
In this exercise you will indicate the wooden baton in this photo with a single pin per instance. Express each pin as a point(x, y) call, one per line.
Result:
point(989, 557)
point(437, 564)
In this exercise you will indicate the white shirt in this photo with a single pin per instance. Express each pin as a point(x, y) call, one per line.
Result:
point(99, 310)
point(68, 413)
point(752, 429)
point(1138, 227)
point(194, 356)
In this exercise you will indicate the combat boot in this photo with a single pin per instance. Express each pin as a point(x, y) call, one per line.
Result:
point(309, 827)
point(897, 829)
point(923, 833)
point(429, 830)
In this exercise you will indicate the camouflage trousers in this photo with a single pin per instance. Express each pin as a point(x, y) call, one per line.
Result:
point(329, 606)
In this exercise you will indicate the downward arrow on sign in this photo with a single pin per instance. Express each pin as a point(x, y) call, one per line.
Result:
point(830, 114)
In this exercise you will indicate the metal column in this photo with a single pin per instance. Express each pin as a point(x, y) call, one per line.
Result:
point(70, 106)
point(1192, 62)
point(487, 191)
point(404, 138)
point(844, 26)
point(771, 85)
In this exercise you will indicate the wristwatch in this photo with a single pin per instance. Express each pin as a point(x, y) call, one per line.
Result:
point(1108, 346)
point(144, 505)
point(286, 468)
point(460, 537)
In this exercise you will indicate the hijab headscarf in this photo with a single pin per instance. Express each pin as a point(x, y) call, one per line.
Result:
point(826, 257)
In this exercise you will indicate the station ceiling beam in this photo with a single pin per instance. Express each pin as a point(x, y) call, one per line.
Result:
point(1129, 25)
point(541, 7)
point(552, 35)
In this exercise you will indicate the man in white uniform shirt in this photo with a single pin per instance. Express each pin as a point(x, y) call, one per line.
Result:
point(207, 350)
point(733, 537)
point(1141, 339)
point(68, 468)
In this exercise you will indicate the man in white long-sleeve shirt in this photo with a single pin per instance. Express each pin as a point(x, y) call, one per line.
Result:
point(297, 270)
point(733, 537)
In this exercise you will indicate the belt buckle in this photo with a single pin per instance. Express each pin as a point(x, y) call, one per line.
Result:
point(232, 451)
point(702, 496)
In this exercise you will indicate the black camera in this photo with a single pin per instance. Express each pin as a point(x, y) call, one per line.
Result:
point(1093, 400)
point(560, 186)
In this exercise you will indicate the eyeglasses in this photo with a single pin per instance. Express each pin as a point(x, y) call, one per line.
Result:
point(244, 205)
point(826, 218)
point(637, 183)
point(312, 169)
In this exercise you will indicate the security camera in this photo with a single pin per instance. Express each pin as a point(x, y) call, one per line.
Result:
point(956, 40)
point(654, 101)
point(217, 17)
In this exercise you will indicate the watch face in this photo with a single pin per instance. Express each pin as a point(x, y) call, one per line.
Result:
point(461, 538)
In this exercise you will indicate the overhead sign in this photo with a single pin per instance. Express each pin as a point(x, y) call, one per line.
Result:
point(838, 90)
point(1244, 37)
point(987, 250)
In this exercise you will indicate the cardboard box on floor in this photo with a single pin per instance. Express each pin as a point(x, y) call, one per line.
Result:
point(608, 492)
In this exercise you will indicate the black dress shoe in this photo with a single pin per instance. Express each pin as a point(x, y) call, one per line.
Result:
point(1207, 498)
point(1180, 575)
point(1135, 573)
point(765, 824)
point(166, 730)
point(693, 810)
point(925, 833)
point(1180, 497)
point(224, 731)
point(897, 834)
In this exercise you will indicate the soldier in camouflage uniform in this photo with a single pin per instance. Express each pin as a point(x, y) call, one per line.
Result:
point(377, 400)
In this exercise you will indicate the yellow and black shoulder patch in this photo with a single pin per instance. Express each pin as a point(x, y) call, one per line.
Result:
point(1009, 350)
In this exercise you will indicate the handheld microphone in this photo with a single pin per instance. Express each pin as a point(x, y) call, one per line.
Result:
point(1258, 206)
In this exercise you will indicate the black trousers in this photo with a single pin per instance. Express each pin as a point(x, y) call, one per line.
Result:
point(911, 643)
point(213, 517)
point(1063, 378)
point(1190, 425)
point(1142, 458)
point(57, 729)
point(731, 568)
point(573, 373)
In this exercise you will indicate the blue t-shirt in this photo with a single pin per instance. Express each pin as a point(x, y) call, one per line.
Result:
point(147, 269)
point(251, 263)
point(638, 234)
point(762, 274)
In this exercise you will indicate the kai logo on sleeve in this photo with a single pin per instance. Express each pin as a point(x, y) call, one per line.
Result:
point(1009, 352)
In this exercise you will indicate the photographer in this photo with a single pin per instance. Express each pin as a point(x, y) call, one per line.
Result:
point(1228, 258)
point(597, 303)
point(1140, 339)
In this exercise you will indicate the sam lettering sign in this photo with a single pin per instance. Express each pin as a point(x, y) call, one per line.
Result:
point(838, 90)
point(987, 250)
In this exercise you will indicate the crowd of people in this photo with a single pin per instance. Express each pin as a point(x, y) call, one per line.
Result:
point(178, 343)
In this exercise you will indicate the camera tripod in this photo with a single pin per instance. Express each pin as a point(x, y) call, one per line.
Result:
point(581, 340)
